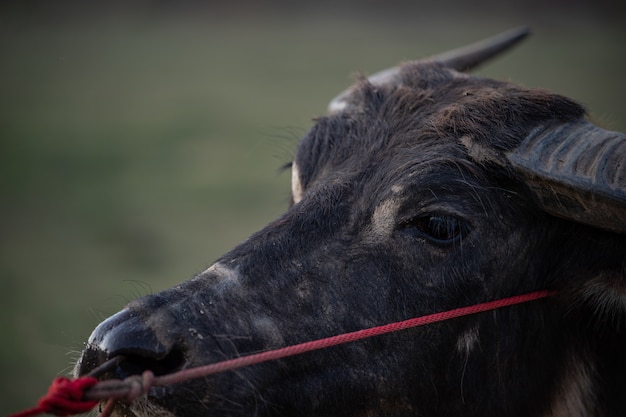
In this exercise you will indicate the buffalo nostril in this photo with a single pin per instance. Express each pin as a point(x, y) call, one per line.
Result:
point(136, 365)
point(125, 334)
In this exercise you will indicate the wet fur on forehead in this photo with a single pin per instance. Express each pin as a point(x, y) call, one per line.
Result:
point(432, 102)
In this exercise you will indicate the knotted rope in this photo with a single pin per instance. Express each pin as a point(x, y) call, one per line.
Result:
point(68, 397)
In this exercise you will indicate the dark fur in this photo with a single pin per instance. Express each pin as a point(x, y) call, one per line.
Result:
point(326, 267)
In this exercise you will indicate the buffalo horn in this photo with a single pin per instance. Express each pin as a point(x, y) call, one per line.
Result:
point(576, 171)
point(462, 59)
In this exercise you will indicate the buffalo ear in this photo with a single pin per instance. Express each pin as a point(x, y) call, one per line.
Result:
point(576, 171)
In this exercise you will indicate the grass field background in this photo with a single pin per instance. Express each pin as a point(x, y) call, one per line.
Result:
point(136, 148)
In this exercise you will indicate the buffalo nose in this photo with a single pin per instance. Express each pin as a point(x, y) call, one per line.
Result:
point(126, 335)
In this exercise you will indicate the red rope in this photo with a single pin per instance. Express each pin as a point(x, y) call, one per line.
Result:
point(67, 397)
point(343, 338)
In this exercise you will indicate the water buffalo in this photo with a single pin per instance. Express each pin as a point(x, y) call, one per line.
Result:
point(422, 190)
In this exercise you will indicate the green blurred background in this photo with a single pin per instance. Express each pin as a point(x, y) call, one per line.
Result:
point(141, 140)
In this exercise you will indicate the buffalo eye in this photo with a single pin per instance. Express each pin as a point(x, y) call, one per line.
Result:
point(438, 228)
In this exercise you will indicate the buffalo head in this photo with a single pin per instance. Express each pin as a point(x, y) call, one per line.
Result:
point(424, 189)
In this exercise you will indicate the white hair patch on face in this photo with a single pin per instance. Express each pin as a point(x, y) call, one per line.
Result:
point(269, 331)
point(467, 341)
point(384, 218)
point(296, 186)
point(223, 271)
point(221, 275)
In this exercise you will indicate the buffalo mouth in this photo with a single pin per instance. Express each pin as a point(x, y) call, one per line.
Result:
point(122, 366)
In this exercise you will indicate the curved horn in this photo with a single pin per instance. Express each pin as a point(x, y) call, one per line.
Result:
point(462, 59)
point(576, 171)
point(471, 56)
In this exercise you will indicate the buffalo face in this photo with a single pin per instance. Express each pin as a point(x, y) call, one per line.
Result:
point(413, 196)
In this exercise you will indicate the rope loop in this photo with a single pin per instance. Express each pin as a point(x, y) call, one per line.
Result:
point(135, 385)
point(126, 390)
point(139, 385)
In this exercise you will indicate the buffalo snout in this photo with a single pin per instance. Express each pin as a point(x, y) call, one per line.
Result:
point(139, 346)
